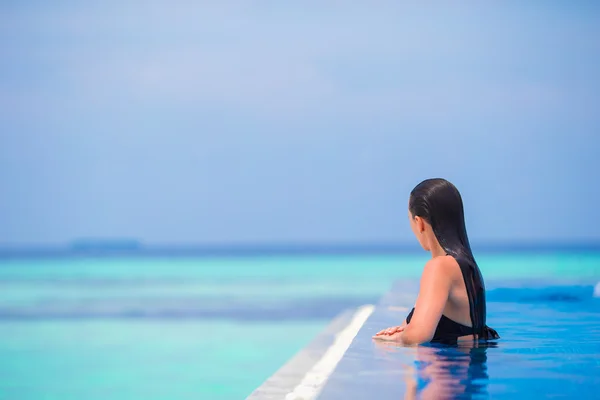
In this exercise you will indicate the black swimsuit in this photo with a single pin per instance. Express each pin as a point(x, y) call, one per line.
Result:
point(448, 331)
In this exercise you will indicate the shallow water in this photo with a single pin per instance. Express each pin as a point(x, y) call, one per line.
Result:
point(179, 328)
point(142, 359)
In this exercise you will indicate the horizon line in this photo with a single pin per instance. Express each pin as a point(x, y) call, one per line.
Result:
point(137, 248)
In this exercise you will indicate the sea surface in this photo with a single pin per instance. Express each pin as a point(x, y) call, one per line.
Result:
point(201, 327)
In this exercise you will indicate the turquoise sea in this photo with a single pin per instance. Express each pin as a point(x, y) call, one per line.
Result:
point(198, 327)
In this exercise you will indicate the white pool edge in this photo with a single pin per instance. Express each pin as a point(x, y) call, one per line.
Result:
point(313, 381)
point(307, 371)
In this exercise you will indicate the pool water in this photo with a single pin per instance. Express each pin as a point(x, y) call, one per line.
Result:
point(549, 347)
point(216, 328)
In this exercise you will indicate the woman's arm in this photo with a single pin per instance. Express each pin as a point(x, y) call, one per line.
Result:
point(434, 291)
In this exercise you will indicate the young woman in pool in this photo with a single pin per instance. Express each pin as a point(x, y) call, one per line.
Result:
point(450, 306)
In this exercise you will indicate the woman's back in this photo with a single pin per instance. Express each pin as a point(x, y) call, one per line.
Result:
point(455, 322)
point(458, 307)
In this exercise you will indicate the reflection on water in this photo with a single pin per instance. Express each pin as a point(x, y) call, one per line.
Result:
point(446, 372)
point(451, 372)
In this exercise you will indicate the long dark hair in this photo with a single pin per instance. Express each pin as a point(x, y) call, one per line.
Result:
point(439, 203)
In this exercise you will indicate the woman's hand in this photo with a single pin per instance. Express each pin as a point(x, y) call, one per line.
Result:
point(392, 333)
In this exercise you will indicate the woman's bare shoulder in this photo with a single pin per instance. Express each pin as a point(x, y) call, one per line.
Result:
point(442, 264)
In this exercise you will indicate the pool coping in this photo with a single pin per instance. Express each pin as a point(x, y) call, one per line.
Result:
point(290, 375)
point(290, 381)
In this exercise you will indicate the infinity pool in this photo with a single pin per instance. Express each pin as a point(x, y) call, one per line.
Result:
point(549, 348)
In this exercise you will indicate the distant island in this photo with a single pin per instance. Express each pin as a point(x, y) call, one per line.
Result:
point(105, 245)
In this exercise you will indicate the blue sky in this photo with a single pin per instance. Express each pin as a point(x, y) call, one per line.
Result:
point(271, 122)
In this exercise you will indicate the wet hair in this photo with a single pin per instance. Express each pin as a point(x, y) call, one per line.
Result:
point(439, 203)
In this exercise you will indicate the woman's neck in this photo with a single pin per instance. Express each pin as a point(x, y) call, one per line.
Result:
point(437, 250)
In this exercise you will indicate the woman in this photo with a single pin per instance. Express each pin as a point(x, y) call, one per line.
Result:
point(450, 306)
